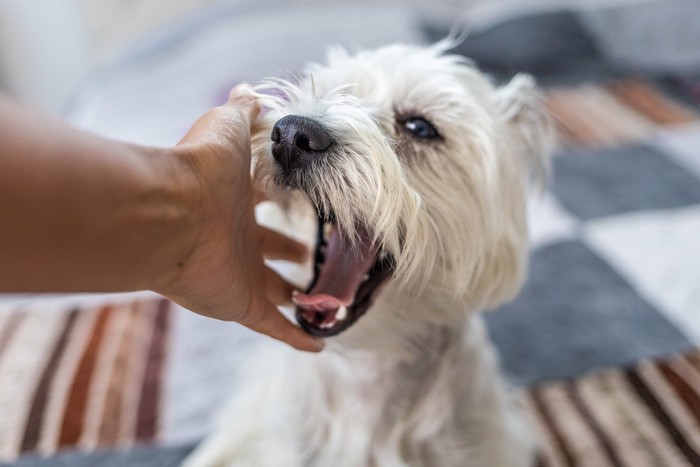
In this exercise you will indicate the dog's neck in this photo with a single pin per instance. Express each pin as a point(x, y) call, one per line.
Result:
point(385, 392)
point(402, 327)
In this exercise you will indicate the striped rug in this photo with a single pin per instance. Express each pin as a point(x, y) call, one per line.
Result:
point(644, 416)
point(622, 112)
point(80, 378)
point(83, 379)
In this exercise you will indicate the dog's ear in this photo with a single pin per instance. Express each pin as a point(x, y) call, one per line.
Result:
point(521, 104)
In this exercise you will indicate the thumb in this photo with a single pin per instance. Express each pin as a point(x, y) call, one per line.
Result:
point(243, 98)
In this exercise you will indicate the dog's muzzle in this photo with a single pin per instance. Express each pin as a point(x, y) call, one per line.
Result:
point(297, 141)
point(349, 268)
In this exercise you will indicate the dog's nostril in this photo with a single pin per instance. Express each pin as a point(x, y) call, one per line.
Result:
point(314, 138)
point(303, 143)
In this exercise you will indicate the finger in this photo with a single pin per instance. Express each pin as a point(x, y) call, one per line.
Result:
point(271, 322)
point(277, 289)
point(274, 245)
point(243, 98)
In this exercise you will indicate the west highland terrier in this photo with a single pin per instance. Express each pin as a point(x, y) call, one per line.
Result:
point(418, 169)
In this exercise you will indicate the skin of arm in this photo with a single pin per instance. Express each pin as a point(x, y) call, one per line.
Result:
point(81, 213)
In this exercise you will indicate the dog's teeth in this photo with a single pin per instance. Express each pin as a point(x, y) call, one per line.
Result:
point(365, 278)
point(341, 314)
point(327, 228)
point(327, 325)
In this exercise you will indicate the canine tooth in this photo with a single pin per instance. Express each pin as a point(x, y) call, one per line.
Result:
point(341, 314)
point(364, 279)
point(327, 228)
point(327, 325)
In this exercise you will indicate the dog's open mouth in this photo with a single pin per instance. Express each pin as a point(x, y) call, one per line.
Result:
point(347, 276)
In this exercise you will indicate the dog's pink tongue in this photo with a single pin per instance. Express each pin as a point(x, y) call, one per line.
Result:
point(341, 274)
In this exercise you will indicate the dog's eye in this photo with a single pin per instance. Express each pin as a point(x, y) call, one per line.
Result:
point(420, 128)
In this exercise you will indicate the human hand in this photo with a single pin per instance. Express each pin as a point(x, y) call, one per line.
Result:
point(224, 276)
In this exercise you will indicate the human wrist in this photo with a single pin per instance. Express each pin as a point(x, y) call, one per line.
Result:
point(176, 193)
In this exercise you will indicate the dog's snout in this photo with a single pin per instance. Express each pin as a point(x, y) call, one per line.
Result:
point(296, 140)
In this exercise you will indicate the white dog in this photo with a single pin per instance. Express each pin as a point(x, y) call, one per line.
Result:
point(418, 170)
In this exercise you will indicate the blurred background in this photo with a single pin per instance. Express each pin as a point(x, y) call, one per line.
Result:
point(51, 49)
point(601, 344)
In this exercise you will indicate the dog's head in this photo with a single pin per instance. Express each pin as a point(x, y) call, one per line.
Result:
point(418, 169)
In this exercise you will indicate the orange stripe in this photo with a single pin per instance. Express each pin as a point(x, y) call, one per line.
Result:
point(575, 128)
point(652, 103)
point(145, 314)
point(74, 412)
point(112, 413)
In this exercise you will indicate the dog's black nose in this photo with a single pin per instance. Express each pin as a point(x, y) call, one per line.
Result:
point(297, 140)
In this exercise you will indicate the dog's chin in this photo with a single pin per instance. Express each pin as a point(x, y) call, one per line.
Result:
point(348, 275)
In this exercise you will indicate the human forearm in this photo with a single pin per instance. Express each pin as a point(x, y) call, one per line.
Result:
point(82, 213)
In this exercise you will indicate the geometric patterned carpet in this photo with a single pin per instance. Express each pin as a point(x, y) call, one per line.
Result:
point(602, 343)
point(616, 280)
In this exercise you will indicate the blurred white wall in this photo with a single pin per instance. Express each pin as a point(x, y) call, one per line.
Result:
point(43, 51)
point(114, 25)
point(48, 47)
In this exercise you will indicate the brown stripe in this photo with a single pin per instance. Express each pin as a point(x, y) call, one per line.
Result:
point(548, 420)
point(693, 359)
point(547, 450)
point(8, 331)
point(35, 420)
point(657, 410)
point(579, 404)
point(149, 404)
point(682, 388)
point(74, 412)
point(652, 103)
point(112, 413)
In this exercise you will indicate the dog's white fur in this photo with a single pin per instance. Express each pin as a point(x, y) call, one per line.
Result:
point(415, 381)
